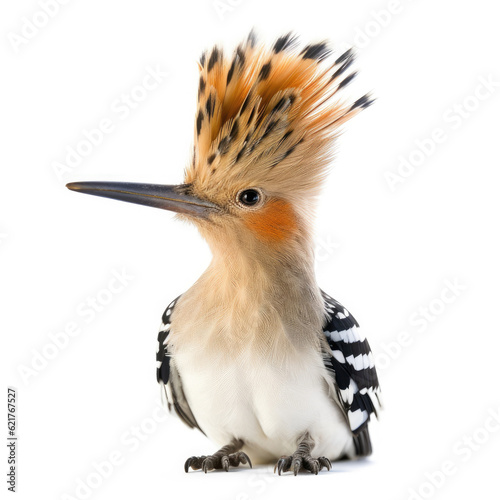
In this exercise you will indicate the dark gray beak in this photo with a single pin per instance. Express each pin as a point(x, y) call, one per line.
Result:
point(174, 198)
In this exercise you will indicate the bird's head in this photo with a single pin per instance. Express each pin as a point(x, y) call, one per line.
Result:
point(264, 129)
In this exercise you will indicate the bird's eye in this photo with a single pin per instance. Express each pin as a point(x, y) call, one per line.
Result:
point(249, 197)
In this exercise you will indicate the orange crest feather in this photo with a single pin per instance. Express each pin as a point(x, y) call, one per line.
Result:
point(268, 117)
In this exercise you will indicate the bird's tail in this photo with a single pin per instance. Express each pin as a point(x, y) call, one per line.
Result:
point(363, 443)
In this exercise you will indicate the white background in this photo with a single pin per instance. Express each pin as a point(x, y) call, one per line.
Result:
point(385, 253)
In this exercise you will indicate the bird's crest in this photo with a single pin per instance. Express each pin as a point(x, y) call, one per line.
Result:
point(268, 116)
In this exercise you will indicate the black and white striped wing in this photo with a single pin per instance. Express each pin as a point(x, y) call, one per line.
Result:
point(167, 375)
point(352, 365)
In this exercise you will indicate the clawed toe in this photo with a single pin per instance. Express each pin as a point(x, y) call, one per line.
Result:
point(244, 459)
point(217, 462)
point(325, 462)
point(283, 464)
point(297, 462)
point(194, 462)
point(208, 464)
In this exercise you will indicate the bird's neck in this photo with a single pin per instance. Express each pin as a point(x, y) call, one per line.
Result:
point(245, 259)
point(267, 270)
point(252, 277)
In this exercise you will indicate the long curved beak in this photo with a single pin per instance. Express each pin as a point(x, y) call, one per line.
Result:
point(174, 198)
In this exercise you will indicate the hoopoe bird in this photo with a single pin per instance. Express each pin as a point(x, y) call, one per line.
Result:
point(255, 355)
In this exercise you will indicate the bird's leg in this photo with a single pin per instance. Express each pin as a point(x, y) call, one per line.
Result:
point(302, 459)
point(222, 459)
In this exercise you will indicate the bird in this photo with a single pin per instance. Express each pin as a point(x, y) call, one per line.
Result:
point(255, 354)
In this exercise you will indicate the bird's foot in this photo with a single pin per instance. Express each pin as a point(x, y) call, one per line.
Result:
point(299, 461)
point(220, 461)
point(302, 459)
